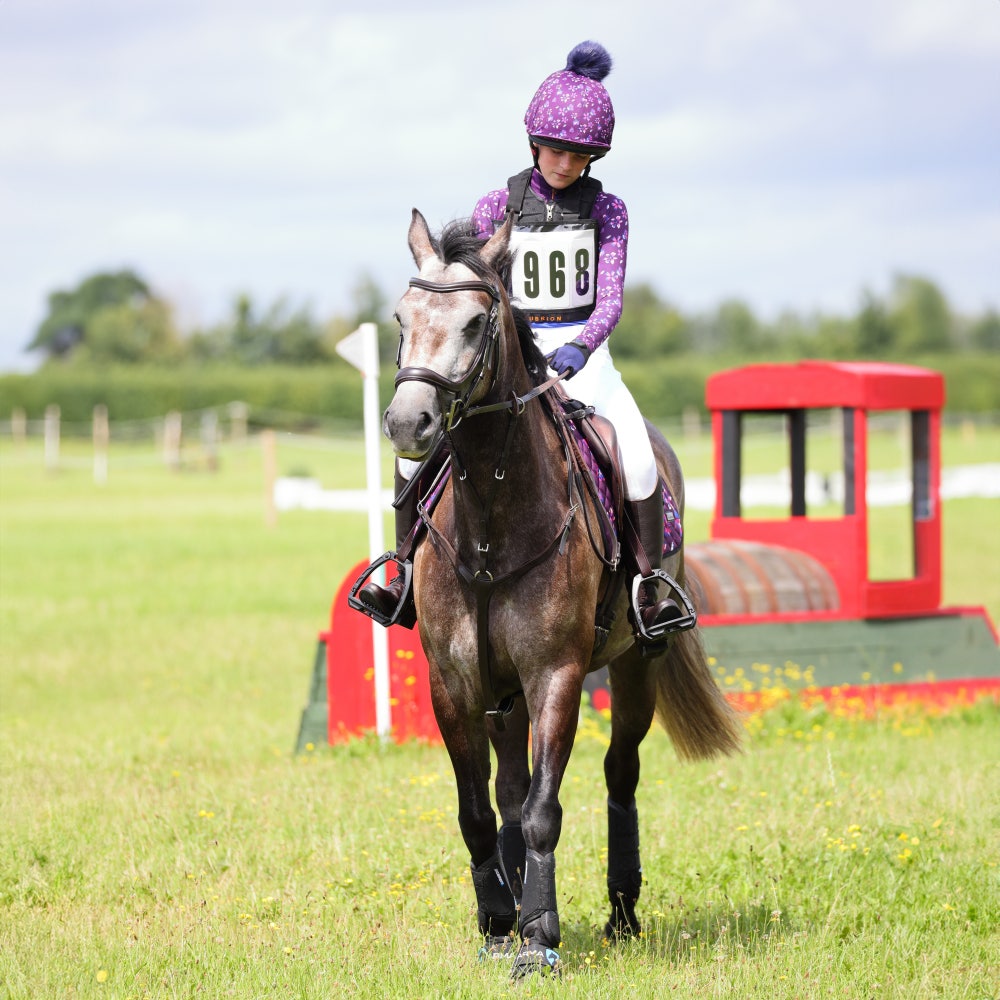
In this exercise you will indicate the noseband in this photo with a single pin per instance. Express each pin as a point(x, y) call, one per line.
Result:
point(460, 390)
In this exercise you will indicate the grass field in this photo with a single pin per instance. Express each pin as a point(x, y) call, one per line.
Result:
point(159, 839)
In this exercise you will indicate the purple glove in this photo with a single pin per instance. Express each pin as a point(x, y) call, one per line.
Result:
point(570, 357)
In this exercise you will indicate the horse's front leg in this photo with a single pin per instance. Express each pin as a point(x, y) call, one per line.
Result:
point(512, 783)
point(554, 706)
point(463, 727)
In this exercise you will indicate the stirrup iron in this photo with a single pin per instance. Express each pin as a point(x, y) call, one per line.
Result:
point(657, 635)
point(404, 613)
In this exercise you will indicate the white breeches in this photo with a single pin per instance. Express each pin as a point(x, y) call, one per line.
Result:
point(600, 385)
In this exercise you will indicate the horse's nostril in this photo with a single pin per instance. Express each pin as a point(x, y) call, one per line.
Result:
point(412, 419)
point(424, 424)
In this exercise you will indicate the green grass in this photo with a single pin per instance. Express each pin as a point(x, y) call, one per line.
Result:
point(158, 838)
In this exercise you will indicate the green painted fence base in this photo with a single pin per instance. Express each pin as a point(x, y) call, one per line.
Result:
point(314, 725)
point(877, 651)
point(794, 655)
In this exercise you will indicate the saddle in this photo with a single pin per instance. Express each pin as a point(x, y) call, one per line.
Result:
point(597, 463)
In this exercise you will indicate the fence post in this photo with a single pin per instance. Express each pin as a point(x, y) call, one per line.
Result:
point(18, 426)
point(102, 435)
point(691, 422)
point(52, 413)
point(210, 439)
point(269, 451)
point(172, 430)
point(238, 415)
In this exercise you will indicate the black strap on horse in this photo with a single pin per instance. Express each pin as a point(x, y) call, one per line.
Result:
point(515, 402)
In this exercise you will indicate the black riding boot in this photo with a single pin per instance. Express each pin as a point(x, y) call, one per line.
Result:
point(647, 516)
point(386, 599)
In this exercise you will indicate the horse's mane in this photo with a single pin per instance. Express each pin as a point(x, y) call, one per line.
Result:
point(459, 243)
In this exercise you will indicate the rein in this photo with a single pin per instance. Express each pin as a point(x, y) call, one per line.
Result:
point(480, 578)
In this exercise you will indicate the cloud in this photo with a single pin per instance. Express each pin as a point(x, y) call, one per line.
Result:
point(789, 153)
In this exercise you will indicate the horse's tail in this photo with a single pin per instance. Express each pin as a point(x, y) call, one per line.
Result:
point(697, 716)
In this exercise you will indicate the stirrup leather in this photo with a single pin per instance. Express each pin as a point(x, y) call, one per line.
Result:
point(404, 613)
point(658, 633)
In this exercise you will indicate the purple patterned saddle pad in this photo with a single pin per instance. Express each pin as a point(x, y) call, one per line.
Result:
point(673, 531)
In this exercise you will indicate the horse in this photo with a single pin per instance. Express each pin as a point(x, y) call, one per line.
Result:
point(506, 584)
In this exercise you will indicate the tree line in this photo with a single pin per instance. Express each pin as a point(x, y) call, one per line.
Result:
point(117, 318)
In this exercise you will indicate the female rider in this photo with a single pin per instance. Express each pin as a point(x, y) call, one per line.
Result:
point(570, 241)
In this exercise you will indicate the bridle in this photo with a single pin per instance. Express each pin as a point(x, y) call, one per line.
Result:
point(460, 390)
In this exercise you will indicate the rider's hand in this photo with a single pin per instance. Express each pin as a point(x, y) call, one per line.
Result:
point(568, 358)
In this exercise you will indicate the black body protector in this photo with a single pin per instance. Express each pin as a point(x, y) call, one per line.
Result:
point(555, 246)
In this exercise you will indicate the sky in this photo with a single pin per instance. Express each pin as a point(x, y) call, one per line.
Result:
point(789, 153)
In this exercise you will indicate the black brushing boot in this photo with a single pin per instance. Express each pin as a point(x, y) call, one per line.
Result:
point(624, 871)
point(497, 908)
point(510, 844)
point(539, 920)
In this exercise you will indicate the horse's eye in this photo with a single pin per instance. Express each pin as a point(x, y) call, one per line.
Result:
point(475, 326)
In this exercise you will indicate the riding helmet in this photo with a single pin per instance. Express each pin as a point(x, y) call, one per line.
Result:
point(571, 109)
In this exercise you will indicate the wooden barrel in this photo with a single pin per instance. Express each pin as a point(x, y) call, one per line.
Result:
point(733, 577)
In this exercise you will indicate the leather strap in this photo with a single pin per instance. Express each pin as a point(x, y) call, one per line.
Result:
point(456, 286)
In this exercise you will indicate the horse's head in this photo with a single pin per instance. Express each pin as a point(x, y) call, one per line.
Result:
point(450, 325)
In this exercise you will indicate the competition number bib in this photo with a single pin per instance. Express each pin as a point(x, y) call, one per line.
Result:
point(555, 269)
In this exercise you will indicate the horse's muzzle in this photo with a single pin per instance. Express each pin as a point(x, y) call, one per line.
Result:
point(412, 420)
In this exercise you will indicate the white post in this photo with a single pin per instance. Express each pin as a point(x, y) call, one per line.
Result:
point(173, 429)
point(238, 415)
point(210, 439)
point(52, 413)
point(19, 426)
point(360, 348)
point(102, 435)
point(269, 451)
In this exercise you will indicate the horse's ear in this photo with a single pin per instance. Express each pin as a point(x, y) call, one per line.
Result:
point(497, 246)
point(420, 239)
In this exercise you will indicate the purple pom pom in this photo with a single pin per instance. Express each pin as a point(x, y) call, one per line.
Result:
point(589, 59)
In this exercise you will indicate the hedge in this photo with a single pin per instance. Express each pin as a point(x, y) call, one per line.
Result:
point(300, 397)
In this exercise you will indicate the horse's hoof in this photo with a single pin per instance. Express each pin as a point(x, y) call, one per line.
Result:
point(536, 958)
point(622, 925)
point(496, 947)
point(623, 930)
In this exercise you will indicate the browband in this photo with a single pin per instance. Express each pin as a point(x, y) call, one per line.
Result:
point(456, 286)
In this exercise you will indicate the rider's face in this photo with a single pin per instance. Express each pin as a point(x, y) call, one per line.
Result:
point(559, 167)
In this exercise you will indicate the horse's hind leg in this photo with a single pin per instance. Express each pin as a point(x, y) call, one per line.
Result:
point(633, 700)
